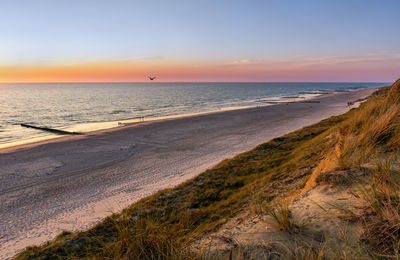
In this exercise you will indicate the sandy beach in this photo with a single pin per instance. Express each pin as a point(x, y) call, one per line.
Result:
point(73, 182)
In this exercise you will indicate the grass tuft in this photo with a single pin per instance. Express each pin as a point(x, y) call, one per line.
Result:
point(284, 219)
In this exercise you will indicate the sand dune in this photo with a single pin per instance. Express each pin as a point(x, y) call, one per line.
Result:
point(73, 182)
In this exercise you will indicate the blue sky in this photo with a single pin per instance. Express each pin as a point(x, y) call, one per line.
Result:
point(38, 32)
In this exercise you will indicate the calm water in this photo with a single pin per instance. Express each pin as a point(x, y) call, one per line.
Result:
point(78, 105)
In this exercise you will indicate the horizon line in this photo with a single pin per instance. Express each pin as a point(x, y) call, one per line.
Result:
point(155, 82)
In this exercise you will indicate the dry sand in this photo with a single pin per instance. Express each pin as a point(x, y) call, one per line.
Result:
point(71, 183)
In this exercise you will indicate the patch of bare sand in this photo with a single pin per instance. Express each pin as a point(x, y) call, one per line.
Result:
point(328, 205)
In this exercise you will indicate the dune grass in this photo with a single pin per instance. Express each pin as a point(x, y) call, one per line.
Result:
point(381, 220)
point(284, 219)
point(163, 225)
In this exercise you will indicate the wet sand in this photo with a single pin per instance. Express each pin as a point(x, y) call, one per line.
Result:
point(71, 183)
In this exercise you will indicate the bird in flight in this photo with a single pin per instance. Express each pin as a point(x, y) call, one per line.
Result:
point(152, 78)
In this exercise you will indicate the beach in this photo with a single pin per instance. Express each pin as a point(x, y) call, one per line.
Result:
point(73, 182)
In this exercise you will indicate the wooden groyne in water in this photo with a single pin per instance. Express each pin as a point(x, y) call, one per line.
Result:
point(52, 130)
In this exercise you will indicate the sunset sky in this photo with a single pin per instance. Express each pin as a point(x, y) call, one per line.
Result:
point(187, 40)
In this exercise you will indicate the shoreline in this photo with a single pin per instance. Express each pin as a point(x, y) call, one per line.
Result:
point(98, 127)
point(73, 182)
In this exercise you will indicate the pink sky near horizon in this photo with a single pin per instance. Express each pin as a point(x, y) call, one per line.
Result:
point(372, 67)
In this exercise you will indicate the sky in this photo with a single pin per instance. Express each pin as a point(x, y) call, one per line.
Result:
point(197, 41)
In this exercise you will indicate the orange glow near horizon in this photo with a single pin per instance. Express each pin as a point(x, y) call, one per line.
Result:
point(321, 69)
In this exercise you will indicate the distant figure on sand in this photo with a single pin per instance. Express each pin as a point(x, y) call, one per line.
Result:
point(152, 78)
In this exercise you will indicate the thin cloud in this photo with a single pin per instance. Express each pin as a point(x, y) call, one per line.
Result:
point(138, 58)
point(304, 62)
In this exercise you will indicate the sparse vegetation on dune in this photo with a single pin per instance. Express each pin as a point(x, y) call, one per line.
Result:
point(363, 143)
point(284, 219)
point(381, 217)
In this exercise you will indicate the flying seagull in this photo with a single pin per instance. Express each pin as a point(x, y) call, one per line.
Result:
point(152, 78)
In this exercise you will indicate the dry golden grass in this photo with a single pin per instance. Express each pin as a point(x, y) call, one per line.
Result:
point(283, 218)
point(372, 129)
point(382, 218)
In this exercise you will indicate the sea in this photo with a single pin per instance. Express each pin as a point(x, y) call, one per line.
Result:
point(84, 107)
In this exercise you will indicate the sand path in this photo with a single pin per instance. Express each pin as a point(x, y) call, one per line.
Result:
point(71, 183)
